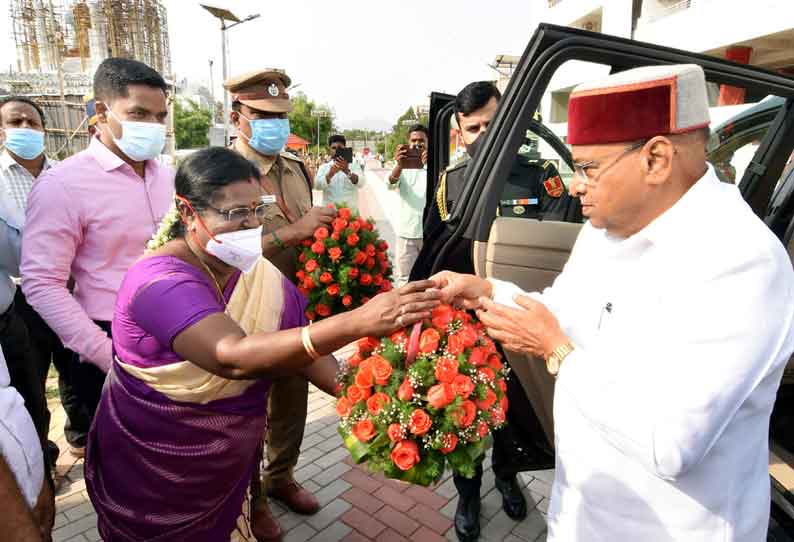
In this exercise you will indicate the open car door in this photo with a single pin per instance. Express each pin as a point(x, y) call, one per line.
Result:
point(532, 253)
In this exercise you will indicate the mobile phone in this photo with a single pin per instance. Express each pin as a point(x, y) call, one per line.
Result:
point(345, 153)
point(413, 159)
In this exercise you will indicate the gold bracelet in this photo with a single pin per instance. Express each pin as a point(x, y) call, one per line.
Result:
point(307, 343)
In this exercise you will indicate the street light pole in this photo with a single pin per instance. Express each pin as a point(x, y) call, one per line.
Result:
point(225, 94)
point(226, 15)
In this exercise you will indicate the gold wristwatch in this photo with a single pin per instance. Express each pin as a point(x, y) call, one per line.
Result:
point(554, 361)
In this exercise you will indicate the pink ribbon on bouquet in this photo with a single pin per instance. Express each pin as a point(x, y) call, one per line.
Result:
point(413, 345)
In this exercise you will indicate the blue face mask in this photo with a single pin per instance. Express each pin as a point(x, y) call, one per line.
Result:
point(268, 136)
point(24, 142)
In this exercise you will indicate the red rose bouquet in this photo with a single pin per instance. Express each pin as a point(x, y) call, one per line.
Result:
point(343, 266)
point(423, 398)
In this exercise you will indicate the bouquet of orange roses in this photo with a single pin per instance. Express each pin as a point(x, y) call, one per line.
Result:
point(423, 398)
point(344, 266)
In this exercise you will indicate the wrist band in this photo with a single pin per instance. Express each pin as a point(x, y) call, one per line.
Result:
point(279, 243)
point(307, 343)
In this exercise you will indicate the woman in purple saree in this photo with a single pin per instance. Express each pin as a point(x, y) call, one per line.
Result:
point(174, 441)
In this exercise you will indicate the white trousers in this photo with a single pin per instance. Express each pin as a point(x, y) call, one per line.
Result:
point(407, 251)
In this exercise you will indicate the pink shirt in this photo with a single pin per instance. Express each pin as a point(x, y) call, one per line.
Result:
point(90, 218)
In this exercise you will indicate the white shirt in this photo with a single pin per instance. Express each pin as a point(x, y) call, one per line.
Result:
point(662, 411)
point(19, 443)
point(340, 189)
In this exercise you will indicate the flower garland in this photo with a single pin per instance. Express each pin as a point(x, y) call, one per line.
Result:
point(165, 232)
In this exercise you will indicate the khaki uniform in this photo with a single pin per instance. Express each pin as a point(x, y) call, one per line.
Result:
point(285, 177)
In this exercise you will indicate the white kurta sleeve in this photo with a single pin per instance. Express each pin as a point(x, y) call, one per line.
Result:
point(319, 180)
point(713, 345)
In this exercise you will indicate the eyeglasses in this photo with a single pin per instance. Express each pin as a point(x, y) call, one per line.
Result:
point(239, 214)
point(580, 169)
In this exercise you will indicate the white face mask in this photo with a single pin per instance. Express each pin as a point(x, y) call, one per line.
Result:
point(139, 140)
point(240, 249)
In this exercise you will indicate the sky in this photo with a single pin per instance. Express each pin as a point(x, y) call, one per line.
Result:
point(367, 60)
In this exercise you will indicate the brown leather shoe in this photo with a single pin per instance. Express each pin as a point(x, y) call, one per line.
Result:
point(264, 526)
point(295, 497)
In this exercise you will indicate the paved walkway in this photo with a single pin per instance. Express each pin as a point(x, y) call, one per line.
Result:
point(356, 507)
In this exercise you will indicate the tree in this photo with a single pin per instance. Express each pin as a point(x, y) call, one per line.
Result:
point(191, 124)
point(303, 124)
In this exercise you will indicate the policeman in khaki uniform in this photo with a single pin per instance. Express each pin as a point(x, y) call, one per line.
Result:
point(260, 104)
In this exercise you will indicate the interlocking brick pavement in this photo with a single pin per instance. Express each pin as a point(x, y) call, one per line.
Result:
point(356, 506)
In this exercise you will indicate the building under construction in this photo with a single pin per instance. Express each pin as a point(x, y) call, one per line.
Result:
point(59, 44)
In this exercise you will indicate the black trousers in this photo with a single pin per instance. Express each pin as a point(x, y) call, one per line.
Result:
point(519, 446)
point(48, 348)
point(24, 370)
point(87, 381)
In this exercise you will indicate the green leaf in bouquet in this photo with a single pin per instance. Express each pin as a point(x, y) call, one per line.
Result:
point(462, 463)
point(358, 450)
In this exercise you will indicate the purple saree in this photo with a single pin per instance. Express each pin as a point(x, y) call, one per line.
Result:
point(173, 447)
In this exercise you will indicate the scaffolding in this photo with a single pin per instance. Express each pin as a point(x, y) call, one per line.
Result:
point(76, 35)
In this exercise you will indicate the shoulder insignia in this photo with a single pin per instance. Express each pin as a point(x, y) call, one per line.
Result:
point(441, 197)
point(554, 186)
point(458, 163)
point(290, 156)
point(546, 164)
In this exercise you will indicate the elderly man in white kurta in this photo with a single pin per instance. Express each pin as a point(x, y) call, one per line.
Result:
point(668, 329)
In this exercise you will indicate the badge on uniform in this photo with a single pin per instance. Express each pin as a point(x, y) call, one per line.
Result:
point(554, 186)
point(273, 90)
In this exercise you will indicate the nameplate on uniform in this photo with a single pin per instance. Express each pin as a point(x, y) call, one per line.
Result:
point(522, 201)
point(270, 198)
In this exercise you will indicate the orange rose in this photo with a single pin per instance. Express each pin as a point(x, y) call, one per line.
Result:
point(343, 407)
point(370, 250)
point(318, 247)
point(442, 316)
point(334, 253)
point(503, 402)
point(366, 365)
point(356, 394)
point(383, 245)
point(368, 344)
point(482, 429)
point(488, 402)
point(333, 290)
point(405, 392)
point(345, 213)
point(502, 385)
point(395, 432)
point(428, 341)
point(354, 360)
point(347, 301)
point(311, 266)
point(364, 430)
point(352, 239)
point(326, 277)
point(468, 334)
point(376, 403)
point(359, 258)
point(405, 454)
point(450, 441)
point(386, 286)
point(366, 279)
point(486, 373)
point(454, 344)
point(494, 362)
point(353, 273)
point(465, 414)
point(400, 337)
point(446, 370)
point(323, 310)
point(364, 377)
point(420, 422)
point(440, 395)
point(381, 370)
point(321, 233)
point(462, 385)
point(308, 283)
point(478, 356)
point(370, 263)
point(309, 315)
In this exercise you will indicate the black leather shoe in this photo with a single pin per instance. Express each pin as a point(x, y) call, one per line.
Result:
point(467, 519)
point(513, 501)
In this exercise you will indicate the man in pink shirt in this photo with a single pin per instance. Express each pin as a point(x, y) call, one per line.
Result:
point(90, 218)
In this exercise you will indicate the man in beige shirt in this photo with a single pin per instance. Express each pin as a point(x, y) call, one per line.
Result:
point(260, 104)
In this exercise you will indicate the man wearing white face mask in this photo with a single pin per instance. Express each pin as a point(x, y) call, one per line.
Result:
point(91, 217)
